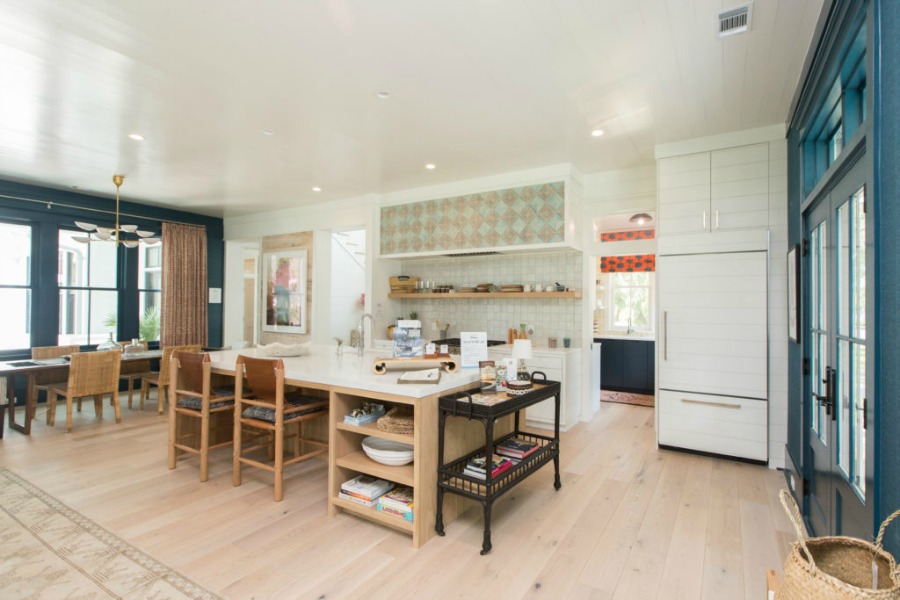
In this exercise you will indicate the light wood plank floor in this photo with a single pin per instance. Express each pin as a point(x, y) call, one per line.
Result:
point(630, 521)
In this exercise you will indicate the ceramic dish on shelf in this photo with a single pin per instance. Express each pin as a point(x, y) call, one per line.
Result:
point(387, 452)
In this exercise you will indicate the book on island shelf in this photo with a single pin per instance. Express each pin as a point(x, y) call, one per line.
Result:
point(389, 510)
point(516, 448)
point(365, 487)
point(476, 466)
point(356, 499)
point(399, 498)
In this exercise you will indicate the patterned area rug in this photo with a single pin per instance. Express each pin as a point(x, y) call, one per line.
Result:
point(626, 398)
point(48, 550)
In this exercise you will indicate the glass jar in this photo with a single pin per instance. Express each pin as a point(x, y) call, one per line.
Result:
point(109, 344)
point(134, 347)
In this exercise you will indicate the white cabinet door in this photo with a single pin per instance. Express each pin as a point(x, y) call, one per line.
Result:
point(713, 323)
point(684, 194)
point(739, 188)
point(716, 191)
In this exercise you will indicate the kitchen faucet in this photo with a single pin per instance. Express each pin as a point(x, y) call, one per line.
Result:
point(361, 347)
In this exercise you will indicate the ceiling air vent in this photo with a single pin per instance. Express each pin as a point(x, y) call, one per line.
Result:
point(735, 20)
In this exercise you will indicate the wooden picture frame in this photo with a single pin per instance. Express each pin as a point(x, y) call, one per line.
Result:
point(284, 294)
point(793, 281)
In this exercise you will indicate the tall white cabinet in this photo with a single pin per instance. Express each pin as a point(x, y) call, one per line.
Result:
point(712, 285)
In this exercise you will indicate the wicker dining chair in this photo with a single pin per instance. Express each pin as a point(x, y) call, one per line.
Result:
point(267, 412)
point(161, 378)
point(55, 377)
point(193, 404)
point(90, 374)
point(135, 369)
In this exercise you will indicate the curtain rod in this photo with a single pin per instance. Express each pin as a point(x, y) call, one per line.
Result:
point(50, 204)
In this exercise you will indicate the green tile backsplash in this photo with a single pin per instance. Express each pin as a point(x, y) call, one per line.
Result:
point(533, 214)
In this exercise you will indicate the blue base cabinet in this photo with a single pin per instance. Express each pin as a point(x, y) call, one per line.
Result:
point(627, 365)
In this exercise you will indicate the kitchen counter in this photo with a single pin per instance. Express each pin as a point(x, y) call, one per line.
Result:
point(321, 366)
point(612, 336)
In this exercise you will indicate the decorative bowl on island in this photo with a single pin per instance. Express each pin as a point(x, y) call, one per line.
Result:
point(387, 452)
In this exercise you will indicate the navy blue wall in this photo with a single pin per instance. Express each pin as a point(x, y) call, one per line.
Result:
point(48, 210)
point(887, 261)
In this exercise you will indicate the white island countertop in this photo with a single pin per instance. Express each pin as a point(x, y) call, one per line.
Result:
point(350, 370)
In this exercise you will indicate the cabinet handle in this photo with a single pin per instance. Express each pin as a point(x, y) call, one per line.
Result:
point(708, 403)
point(704, 220)
point(665, 335)
point(717, 219)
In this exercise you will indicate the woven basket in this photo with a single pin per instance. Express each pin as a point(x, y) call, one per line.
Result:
point(833, 567)
point(396, 420)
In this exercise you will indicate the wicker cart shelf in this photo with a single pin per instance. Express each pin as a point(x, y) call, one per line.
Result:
point(451, 476)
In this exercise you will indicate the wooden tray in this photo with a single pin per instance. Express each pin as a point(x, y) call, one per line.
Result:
point(431, 361)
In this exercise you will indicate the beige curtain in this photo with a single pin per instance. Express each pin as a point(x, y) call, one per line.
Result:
point(184, 285)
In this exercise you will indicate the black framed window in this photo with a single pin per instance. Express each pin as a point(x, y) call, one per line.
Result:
point(87, 277)
point(15, 286)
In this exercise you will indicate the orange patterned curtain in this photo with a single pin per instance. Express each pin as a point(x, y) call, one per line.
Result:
point(184, 286)
point(628, 264)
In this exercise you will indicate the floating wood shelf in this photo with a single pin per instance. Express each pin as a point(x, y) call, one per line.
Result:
point(470, 295)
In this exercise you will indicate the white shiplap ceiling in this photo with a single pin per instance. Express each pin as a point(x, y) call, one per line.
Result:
point(478, 87)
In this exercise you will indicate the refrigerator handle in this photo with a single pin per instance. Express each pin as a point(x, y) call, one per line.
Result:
point(665, 335)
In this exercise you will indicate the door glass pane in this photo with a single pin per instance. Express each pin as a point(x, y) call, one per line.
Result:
point(858, 264)
point(15, 316)
point(818, 326)
point(843, 405)
point(15, 247)
point(844, 305)
point(858, 433)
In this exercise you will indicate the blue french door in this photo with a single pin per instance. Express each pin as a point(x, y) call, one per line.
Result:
point(838, 382)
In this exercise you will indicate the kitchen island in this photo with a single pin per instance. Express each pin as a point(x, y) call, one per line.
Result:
point(350, 383)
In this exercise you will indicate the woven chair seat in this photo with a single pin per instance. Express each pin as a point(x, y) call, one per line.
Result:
point(268, 414)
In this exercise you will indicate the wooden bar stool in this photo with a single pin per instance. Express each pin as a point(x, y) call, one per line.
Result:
point(267, 414)
point(193, 405)
point(161, 378)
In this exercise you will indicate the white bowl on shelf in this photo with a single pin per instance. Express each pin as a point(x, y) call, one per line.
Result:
point(387, 452)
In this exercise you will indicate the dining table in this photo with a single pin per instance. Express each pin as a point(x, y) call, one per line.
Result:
point(29, 367)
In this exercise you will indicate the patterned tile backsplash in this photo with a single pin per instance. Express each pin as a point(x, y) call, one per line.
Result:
point(533, 214)
point(549, 316)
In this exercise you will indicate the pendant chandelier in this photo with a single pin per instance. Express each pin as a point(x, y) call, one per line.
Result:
point(132, 237)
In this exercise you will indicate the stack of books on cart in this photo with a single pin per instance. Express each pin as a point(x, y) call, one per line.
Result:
point(364, 490)
point(516, 448)
point(476, 467)
point(398, 502)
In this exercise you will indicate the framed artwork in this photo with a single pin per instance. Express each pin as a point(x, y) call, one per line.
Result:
point(285, 291)
point(793, 276)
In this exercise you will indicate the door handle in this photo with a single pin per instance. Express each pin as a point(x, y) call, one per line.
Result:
point(831, 391)
point(704, 220)
point(717, 219)
point(828, 400)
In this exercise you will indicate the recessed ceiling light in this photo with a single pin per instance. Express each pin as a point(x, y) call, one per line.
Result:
point(316, 188)
point(597, 132)
point(430, 166)
point(268, 132)
point(136, 136)
point(383, 94)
